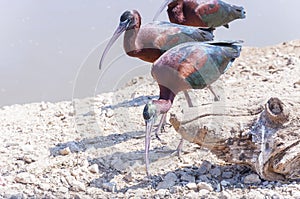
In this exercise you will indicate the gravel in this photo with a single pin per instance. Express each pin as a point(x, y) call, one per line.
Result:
point(94, 147)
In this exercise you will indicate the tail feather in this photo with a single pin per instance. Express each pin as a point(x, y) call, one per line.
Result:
point(211, 30)
point(225, 42)
point(231, 50)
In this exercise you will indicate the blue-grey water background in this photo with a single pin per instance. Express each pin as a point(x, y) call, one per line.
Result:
point(50, 49)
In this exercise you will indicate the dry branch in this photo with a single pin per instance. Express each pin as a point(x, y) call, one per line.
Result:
point(269, 143)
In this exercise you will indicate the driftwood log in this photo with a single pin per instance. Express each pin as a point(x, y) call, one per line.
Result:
point(269, 143)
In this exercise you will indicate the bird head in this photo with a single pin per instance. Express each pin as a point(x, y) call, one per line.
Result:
point(149, 114)
point(149, 111)
point(238, 12)
point(128, 20)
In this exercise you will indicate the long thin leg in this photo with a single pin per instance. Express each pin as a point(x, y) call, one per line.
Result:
point(188, 98)
point(162, 121)
point(179, 147)
point(216, 97)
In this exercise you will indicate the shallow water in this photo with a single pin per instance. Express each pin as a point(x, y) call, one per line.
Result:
point(51, 48)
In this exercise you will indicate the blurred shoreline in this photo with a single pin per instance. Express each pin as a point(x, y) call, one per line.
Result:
point(47, 45)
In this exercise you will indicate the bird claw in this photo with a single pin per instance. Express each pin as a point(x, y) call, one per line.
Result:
point(217, 98)
point(177, 153)
point(168, 125)
point(162, 129)
point(156, 135)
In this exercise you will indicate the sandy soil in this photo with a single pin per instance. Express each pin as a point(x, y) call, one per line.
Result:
point(94, 147)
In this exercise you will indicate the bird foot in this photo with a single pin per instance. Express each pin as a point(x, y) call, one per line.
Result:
point(162, 129)
point(161, 141)
point(177, 153)
point(168, 125)
point(156, 135)
point(217, 98)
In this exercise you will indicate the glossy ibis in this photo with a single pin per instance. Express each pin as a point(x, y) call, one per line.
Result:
point(202, 13)
point(150, 41)
point(192, 65)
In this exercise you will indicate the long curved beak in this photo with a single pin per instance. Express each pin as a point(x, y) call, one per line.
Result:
point(165, 4)
point(149, 125)
point(121, 28)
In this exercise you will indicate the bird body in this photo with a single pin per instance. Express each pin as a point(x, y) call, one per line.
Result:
point(202, 13)
point(194, 65)
point(150, 41)
point(153, 39)
point(191, 65)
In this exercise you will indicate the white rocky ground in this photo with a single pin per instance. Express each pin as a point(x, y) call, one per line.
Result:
point(94, 147)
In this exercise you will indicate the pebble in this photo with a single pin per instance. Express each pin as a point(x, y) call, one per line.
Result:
point(218, 188)
point(93, 168)
point(63, 189)
point(225, 195)
point(77, 186)
point(225, 183)
point(216, 172)
point(188, 178)
point(45, 186)
point(252, 179)
point(128, 177)
point(65, 151)
point(119, 164)
point(110, 186)
point(43, 106)
point(75, 173)
point(191, 195)
point(25, 178)
point(161, 193)
point(84, 163)
point(227, 174)
point(29, 192)
point(265, 183)
point(203, 178)
point(109, 113)
point(204, 168)
point(2, 181)
point(169, 181)
point(175, 189)
point(192, 186)
point(205, 186)
point(203, 192)
point(29, 159)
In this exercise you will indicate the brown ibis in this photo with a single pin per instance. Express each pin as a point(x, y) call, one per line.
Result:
point(202, 13)
point(191, 65)
point(150, 41)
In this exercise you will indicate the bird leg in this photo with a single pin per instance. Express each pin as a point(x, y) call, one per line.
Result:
point(216, 97)
point(188, 98)
point(179, 147)
point(160, 125)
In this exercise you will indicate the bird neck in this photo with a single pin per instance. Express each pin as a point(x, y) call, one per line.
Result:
point(162, 105)
point(130, 39)
point(175, 11)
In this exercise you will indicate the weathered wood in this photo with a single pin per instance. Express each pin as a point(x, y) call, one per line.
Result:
point(269, 143)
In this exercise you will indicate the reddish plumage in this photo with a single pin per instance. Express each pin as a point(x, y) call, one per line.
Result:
point(191, 65)
point(150, 41)
point(201, 13)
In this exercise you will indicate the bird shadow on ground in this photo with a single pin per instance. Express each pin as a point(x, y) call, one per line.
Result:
point(138, 101)
point(96, 142)
point(119, 163)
